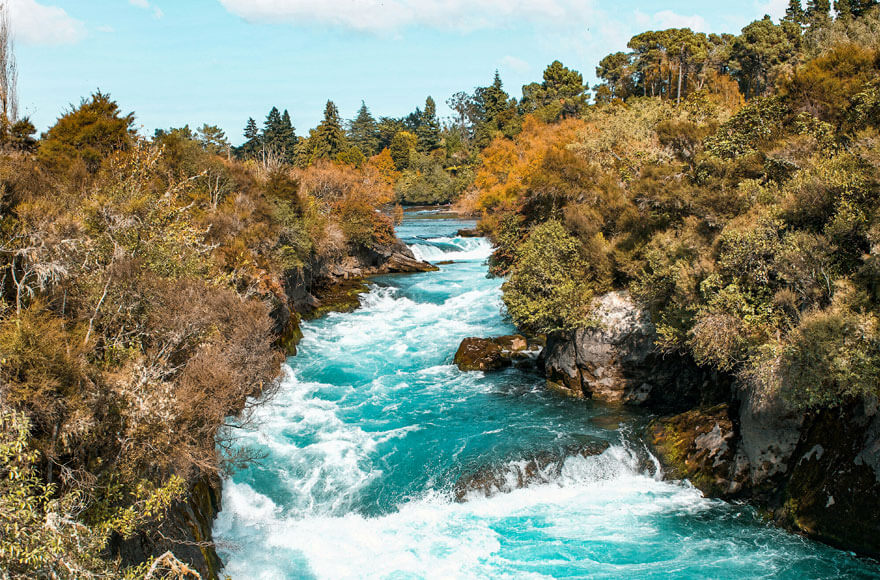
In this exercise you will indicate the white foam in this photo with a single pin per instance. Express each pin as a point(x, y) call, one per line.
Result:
point(601, 498)
point(457, 249)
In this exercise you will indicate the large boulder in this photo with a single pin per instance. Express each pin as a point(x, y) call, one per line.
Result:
point(480, 354)
point(493, 354)
point(615, 360)
point(699, 445)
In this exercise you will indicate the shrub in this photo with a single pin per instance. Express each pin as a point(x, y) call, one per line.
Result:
point(551, 285)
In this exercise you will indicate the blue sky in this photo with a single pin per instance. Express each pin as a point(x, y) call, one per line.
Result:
point(175, 62)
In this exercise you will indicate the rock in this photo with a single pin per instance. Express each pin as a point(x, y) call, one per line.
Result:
point(540, 468)
point(480, 354)
point(469, 233)
point(615, 361)
point(399, 263)
point(186, 530)
point(514, 343)
point(817, 473)
point(492, 354)
point(699, 445)
point(833, 485)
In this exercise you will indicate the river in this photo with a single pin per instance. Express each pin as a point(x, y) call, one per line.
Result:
point(373, 425)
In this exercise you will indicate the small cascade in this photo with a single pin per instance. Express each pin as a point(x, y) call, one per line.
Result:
point(457, 249)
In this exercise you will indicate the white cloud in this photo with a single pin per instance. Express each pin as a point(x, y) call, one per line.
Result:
point(775, 8)
point(35, 23)
point(393, 15)
point(669, 19)
point(515, 64)
point(145, 4)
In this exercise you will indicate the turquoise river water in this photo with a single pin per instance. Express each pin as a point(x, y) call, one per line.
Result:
point(373, 425)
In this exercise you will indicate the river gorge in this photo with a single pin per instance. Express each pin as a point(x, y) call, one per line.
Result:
point(380, 459)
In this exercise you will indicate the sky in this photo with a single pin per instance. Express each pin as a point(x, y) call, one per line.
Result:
point(178, 62)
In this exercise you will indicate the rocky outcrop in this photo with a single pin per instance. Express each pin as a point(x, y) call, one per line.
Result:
point(615, 360)
point(469, 233)
point(186, 531)
point(494, 354)
point(537, 469)
point(816, 473)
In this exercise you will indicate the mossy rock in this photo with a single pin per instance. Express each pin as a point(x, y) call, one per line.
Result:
point(698, 446)
point(292, 335)
point(480, 354)
point(343, 296)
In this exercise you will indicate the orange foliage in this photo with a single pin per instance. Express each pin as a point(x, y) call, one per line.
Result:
point(508, 165)
point(332, 183)
point(383, 164)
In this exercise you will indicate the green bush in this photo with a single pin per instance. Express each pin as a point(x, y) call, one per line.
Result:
point(551, 285)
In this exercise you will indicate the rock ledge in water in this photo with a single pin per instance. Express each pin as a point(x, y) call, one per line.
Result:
point(494, 354)
point(541, 468)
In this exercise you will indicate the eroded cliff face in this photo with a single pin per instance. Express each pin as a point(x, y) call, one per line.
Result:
point(817, 473)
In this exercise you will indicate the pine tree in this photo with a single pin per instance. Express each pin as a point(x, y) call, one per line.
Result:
point(795, 12)
point(363, 132)
point(818, 12)
point(252, 143)
point(272, 128)
point(213, 139)
point(328, 140)
point(495, 112)
point(287, 138)
point(428, 131)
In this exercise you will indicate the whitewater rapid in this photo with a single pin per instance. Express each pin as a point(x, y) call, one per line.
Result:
point(373, 426)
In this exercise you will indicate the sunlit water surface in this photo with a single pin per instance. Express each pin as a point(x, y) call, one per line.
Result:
point(373, 426)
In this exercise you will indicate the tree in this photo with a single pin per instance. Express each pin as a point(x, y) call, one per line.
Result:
point(548, 289)
point(428, 130)
point(272, 132)
point(795, 13)
point(403, 148)
point(495, 112)
point(759, 50)
point(615, 70)
point(8, 70)
point(328, 140)
point(818, 12)
point(561, 95)
point(251, 147)
point(465, 114)
point(363, 132)
point(213, 139)
point(89, 133)
point(287, 140)
point(843, 9)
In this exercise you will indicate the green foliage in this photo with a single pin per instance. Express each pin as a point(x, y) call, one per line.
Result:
point(328, 140)
point(88, 134)
point(754, 125)
point(363, 132)
point(403, 149)
point(550, 286)
point(426, 183)
point(428, 130)
point(561, 95)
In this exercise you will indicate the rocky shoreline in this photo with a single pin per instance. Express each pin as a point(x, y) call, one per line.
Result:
point(813, 473)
